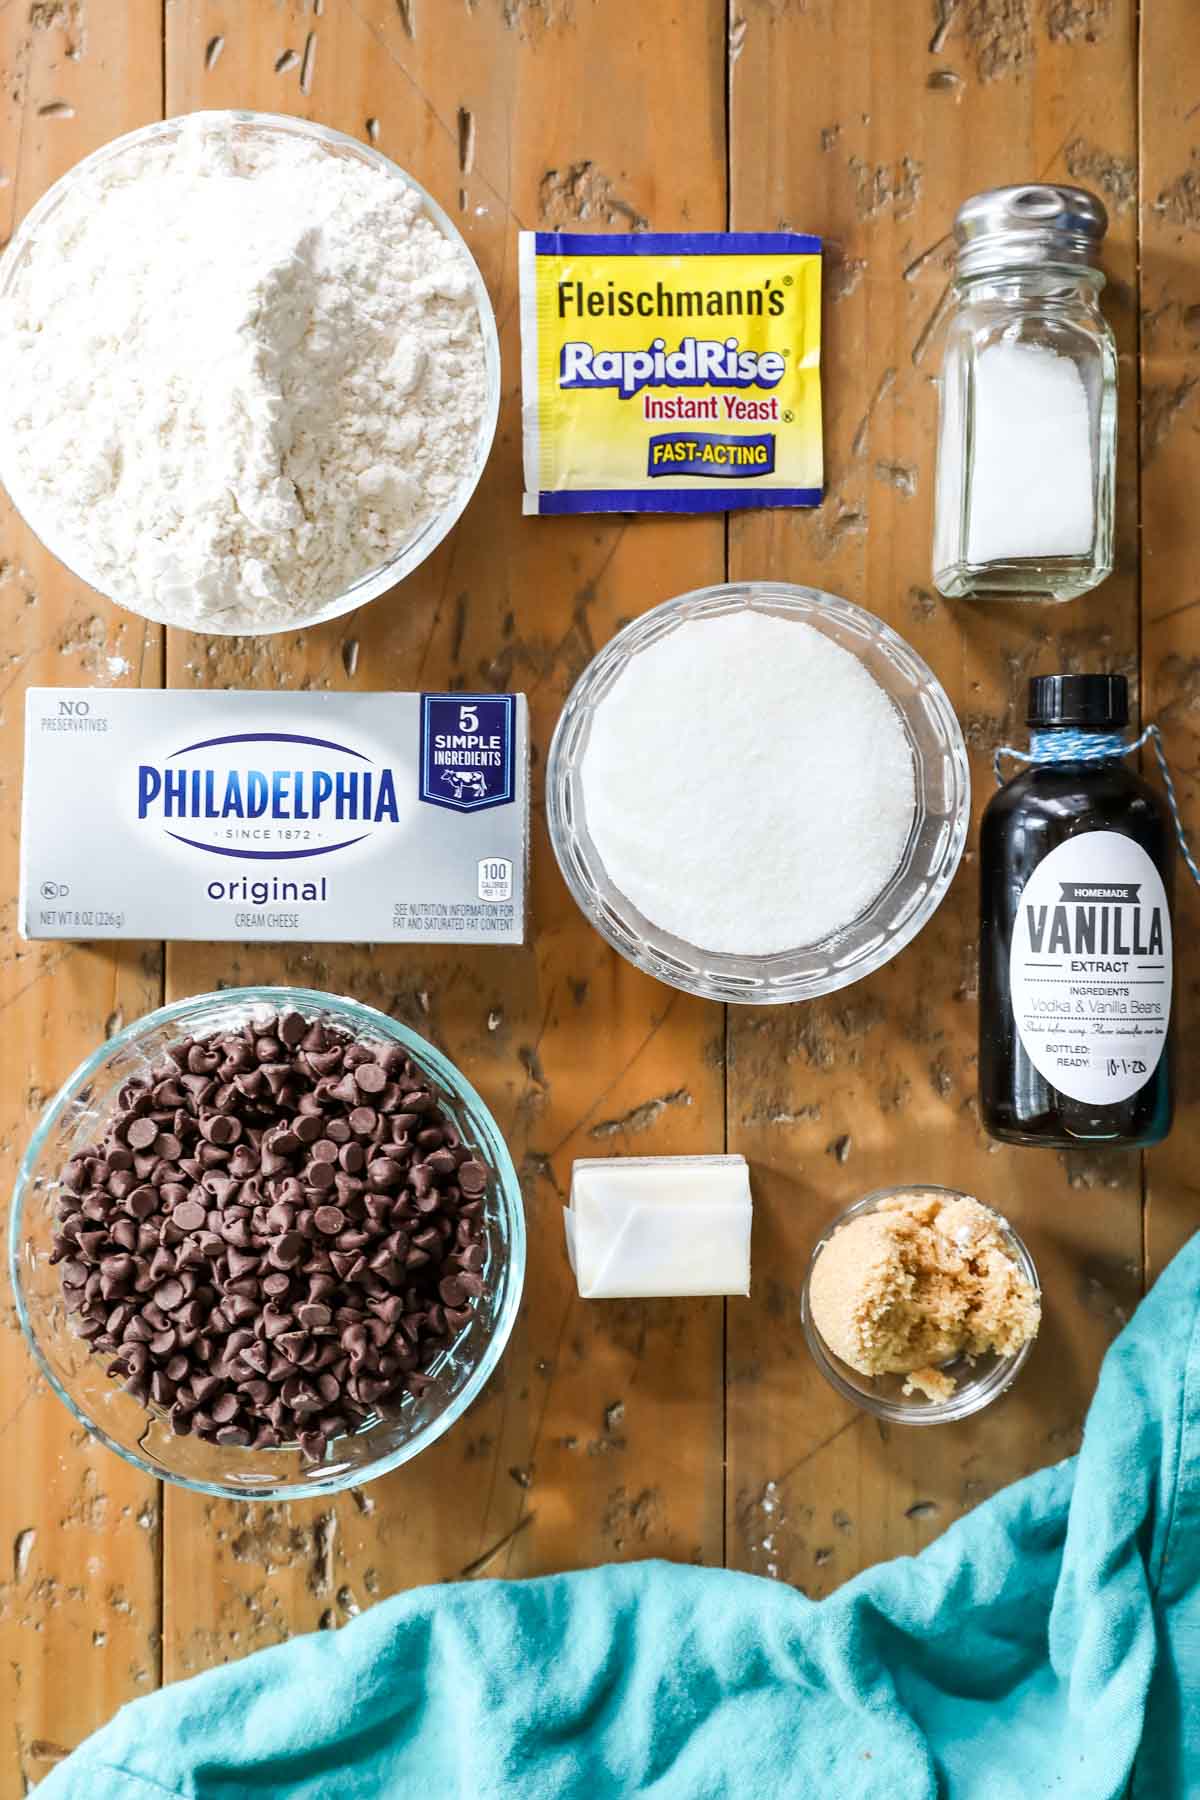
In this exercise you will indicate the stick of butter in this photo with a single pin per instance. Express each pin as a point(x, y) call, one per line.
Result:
point(670, 371)
point(642, 1227)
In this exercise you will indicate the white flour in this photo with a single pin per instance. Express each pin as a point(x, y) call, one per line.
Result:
point(239, 374)
point(748, 784)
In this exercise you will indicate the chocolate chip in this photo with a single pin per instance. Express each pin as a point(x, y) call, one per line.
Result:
point(472, 1177)
point(287, 1251)
point(141, 1202)
point(141, 1133)
point(169, 1295)
point(384, 1172)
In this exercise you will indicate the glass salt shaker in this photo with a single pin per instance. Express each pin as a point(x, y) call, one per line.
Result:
point(1027, 429)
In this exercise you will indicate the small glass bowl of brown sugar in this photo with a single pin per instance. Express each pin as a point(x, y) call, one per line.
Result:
point(920, 1304)
point(267, 1243)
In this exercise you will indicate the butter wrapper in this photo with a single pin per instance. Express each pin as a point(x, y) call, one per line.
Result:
point(642, 1227)
point(670, 371)
point(245, 817)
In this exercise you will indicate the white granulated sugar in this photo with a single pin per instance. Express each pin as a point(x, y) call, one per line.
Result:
point(1032, 485)
point(240, 373)
point(748, 784)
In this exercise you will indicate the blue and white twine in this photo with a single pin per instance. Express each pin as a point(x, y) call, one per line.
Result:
point(1066, 745)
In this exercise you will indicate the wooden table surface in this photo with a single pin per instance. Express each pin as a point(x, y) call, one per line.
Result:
point(694, 1430)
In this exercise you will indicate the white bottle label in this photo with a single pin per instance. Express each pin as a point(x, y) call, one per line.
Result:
point(1090, 967)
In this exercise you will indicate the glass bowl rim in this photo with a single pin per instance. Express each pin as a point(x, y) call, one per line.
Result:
point(966, 1400)
point(458, 1089)
point(720, 973)
point(403, 562)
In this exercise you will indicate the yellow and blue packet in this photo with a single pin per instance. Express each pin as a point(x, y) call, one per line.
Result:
point(670, 371)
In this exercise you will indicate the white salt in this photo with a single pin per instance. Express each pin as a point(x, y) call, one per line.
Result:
point(748, 784)
point(1032, 483)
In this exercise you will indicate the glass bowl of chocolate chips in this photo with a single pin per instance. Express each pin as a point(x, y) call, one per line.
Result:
point(267, 1243)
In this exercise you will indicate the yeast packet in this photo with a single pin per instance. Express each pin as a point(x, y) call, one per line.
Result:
point(670, 371)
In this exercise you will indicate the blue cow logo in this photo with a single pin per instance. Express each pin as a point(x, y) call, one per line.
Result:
point(469, 782)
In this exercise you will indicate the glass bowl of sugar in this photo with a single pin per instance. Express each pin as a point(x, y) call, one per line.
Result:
point(758, 792)
point(253, 372)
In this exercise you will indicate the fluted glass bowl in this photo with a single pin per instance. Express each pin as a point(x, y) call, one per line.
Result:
point(79, 1113)
point(978, 1380)
point(406, 556)
point(909, 899)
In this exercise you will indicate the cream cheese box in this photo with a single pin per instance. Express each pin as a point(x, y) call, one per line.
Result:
point(323, 818)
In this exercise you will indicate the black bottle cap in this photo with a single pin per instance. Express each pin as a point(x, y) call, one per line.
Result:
point(1095, 702)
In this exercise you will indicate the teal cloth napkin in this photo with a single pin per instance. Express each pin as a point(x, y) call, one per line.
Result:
point(1047, 1644)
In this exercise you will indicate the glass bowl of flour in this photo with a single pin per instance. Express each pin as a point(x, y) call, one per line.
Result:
point(758, 792)
point(252, 372)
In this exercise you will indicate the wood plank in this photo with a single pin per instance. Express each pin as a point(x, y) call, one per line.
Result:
point(870, 123)
point(1170, 346)
point(602, 1435)
point(79, 1600)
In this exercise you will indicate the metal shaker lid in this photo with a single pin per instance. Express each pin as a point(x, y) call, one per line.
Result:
point(1019, 227)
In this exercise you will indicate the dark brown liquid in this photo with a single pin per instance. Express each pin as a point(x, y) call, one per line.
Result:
point(1028, 819)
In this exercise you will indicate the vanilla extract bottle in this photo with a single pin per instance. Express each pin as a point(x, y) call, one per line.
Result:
point(1076, 857)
